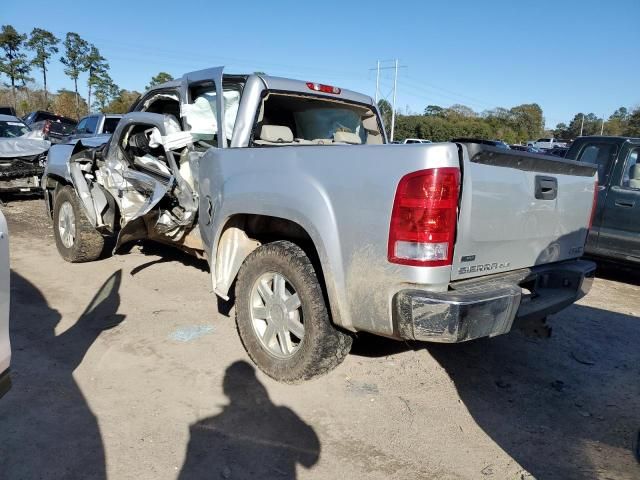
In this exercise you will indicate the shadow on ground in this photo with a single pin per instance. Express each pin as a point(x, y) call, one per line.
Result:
point(618, 272)
point(567, 407)
point(251, 437)
point(47, 430)
point(166, 252)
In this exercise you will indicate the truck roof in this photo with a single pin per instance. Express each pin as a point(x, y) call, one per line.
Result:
point(287, 84)
point(618, 139)
point(9, 118)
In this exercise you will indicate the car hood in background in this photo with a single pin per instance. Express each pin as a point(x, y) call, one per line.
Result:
point(22, 147)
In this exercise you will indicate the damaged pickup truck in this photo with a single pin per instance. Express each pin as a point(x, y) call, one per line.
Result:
point(22, 156)
point(318, 229)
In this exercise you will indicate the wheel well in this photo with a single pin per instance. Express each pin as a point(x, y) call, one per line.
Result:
point(255, 230)
point(51, 187)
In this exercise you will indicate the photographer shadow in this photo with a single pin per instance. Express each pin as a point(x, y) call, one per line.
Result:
point(251, 437)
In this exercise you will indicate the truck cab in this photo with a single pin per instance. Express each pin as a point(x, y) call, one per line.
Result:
point(95, 124)
point(615, 232)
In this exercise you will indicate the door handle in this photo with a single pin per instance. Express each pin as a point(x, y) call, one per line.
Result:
point(624, 204)
point(546, 188)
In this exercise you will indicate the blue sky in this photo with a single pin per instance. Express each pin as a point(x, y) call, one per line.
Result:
point(568, 56)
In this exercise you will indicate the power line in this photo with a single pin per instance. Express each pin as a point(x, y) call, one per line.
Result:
point(395, 88)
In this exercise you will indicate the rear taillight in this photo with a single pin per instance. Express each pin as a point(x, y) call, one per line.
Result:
point(594, 204)
point(47, 127)
point(319, 87)
point(424, 218)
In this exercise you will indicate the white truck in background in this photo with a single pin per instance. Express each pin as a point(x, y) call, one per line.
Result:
point(547, 143)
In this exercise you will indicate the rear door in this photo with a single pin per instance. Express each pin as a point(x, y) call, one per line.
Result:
point(620, 222)
point(519, 210)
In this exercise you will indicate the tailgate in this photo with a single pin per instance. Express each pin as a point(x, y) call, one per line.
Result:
point(519, 209)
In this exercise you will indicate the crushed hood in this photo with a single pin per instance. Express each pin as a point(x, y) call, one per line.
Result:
point(22, 147)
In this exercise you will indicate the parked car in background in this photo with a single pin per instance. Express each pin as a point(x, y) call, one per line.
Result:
point(615, 231)
point(5, 345)
point(491, 143)
point(22, 156)
point(95, 124)
point(320, 229)
point(54, 128)
point(525, 148)
point(548, 143)
point(415, 140)
point(7, 110)
point(558, 151)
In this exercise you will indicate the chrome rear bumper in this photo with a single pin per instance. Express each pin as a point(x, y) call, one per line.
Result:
point(489, 306)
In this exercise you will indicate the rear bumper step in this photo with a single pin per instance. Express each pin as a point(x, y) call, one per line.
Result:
point(489, 306)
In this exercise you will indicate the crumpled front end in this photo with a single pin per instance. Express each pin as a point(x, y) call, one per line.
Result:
point(22, 162)
point(141, 185)
point(21, 173)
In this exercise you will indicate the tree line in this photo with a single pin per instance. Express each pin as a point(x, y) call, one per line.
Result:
point(25, 54)
point(518, 124)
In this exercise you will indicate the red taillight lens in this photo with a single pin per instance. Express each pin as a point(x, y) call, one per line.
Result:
point(594, 205)
point(318, 87)
point(424, 218)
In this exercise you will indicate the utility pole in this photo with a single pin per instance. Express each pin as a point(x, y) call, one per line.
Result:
point(377, 81)
point(395, 67)
point(393, 113)
point(582, 124)
point(602, 127)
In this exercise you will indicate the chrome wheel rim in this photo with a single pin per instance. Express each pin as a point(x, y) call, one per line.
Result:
point(67, 225)
point(276, 315)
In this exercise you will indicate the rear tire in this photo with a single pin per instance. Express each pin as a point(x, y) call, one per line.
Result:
point(282, 318)
point(77, 240)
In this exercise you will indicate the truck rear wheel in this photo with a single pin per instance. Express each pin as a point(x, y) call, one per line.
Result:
point(282, 317)
point(76, 239)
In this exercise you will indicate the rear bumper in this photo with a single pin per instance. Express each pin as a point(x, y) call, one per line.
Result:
point(5, 382)
point(489, 306)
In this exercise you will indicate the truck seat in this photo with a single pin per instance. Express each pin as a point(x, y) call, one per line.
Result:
point(274, 134)
point(634, 176)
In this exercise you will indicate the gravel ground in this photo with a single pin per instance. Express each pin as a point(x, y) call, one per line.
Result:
point(129, 368)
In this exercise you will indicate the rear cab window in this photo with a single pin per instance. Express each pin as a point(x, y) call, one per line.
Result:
point(298, 119)
point(601, 154)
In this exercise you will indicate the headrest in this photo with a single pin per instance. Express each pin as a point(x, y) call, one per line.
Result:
point(276, 134)
point(347, 137)
point(635, 172)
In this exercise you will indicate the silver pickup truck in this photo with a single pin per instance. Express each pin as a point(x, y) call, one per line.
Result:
point(318, 229)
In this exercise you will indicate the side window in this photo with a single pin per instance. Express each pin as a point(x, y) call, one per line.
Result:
point(80, 127)
point(110, 124)
point(631, 172)
point(91, 125)
point(602, 155)
point(201, 113)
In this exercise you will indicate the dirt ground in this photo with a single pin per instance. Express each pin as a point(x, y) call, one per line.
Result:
point(128, 368)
